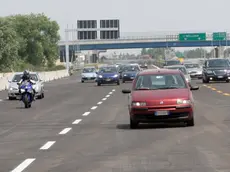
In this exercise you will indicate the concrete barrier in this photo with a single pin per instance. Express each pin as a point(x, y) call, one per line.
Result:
point(45, 76)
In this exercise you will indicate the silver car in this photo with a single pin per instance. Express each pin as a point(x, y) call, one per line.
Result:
point(88, 74)
point(194, 69)
point(183, 69)
point(13, 91)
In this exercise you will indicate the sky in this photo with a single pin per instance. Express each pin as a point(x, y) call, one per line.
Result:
point(137, 17)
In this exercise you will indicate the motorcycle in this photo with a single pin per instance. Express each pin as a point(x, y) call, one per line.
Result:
point(26, 90)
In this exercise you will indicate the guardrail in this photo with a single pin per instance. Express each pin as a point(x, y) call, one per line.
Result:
point(45, 76)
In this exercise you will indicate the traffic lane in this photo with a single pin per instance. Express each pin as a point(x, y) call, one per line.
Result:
point(216, 87)
point(215, 102)
point(103, 142)
point(65, 92)
point(219, 87)
point(23, 138)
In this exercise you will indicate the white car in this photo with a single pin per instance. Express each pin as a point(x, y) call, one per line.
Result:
point(13, 91)
point(88, 74)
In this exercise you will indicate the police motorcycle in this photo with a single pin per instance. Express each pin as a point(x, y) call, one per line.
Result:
point(26, 89)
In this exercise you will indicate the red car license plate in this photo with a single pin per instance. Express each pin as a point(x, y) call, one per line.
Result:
point(161, 113)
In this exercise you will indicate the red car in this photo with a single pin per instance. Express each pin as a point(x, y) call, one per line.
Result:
point(160, 95)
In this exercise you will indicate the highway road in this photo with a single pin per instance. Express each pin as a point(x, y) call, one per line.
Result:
point(82, 127)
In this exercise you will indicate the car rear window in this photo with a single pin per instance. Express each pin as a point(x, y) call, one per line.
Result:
point(218, 63)
point(130, 68)
point(88, 70)
point(163, 81)
point(18, 77)
point(190, 66)
point(108, 70)
point(173, 62)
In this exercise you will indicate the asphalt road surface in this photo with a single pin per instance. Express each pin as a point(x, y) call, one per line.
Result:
point(85, 128)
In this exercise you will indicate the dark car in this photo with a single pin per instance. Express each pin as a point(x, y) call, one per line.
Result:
point(160, 96)
point(172, 62)
point(108, 75)
point(129, 72)
point(216, 70)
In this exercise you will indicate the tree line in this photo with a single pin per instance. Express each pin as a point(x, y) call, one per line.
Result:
point(159, 53)
point(28, 42)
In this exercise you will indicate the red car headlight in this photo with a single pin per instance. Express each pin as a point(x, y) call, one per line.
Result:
point(139, 104)
point(181, 101)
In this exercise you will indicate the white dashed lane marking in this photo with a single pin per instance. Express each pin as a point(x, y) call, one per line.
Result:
point(23, 165)
point(86, 114)
point(65, 130)
point(99, 103)
point(77, 121)
point(94, 107)
point(47, 145)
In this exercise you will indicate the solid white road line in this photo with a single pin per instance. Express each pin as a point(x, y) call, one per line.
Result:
point(104, 99)
point(94, 107)
point(107, 96)
point(110, 92)
point(77, 121)
point(47, 145)
point(113, 90)
point(65, 130)
point(23, 165)
point(86, 114)
point(99, 103)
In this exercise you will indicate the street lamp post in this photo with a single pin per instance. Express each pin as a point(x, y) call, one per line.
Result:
point(67, 48)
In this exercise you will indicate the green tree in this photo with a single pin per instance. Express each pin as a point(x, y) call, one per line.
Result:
point(143, 51)
point(9, 45)
point(156, 53)
point(38, 37)
point(196, 53)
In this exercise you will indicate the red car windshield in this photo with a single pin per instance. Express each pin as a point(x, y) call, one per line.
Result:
point(160, 81)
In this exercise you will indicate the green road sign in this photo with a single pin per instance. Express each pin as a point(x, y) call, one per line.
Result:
point(219, 36)
point(192, 36)
point(179, 54)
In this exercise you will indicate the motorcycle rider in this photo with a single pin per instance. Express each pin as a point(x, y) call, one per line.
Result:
point(26, 77)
